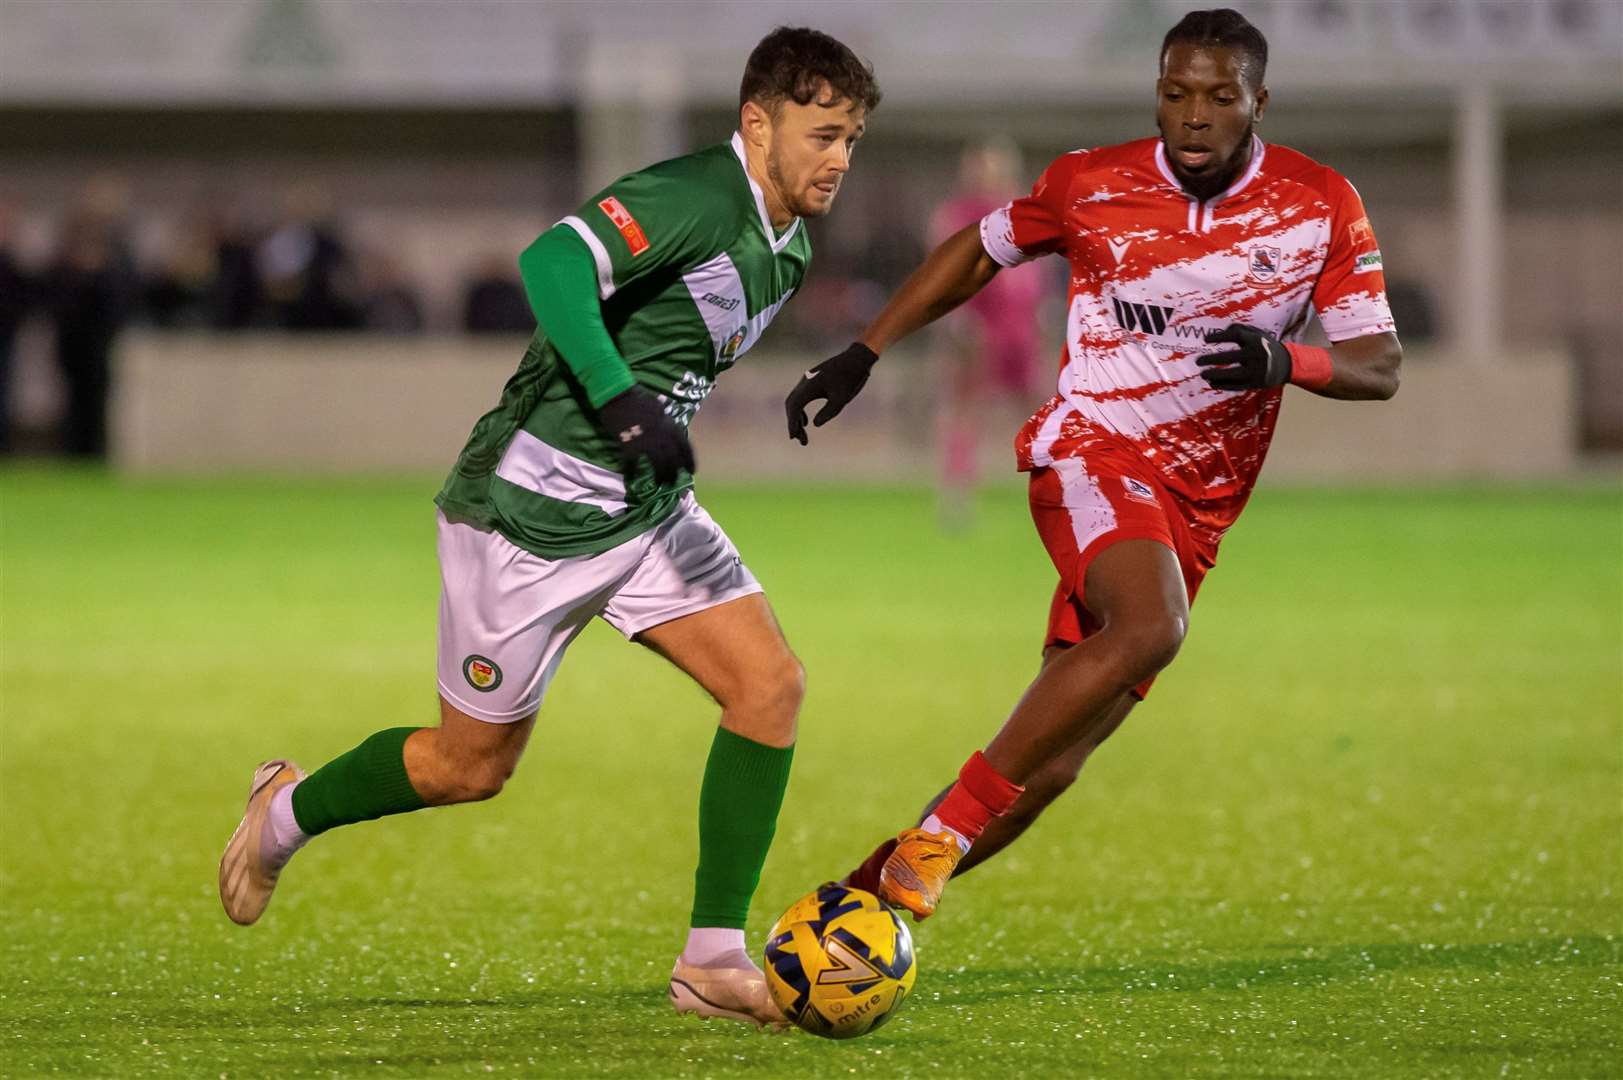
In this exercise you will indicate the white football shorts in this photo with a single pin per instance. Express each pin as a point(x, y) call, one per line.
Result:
point(507, 615)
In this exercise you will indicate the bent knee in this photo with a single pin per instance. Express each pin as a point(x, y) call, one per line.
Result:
point(775, 693)
point(473, 779)
point(1146, 645)
point(487, 781)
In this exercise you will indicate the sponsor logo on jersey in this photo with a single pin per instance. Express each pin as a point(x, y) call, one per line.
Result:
point(725, 303)
point(1118, 248)
point(1360, 233)
point(1367, 263)
point(686, 395)
point(1144, 318)
point(482, 673)
point(1263, 264)
point(1138, 489)
point(635, 238)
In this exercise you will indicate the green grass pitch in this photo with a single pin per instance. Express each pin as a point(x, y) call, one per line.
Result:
point(1368, 825)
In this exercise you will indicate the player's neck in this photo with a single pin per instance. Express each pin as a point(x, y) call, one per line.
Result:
point(1209, 187)
point(777, 209)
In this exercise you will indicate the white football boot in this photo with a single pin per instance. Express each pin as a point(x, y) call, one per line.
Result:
point(251, 863)
point(730, 986)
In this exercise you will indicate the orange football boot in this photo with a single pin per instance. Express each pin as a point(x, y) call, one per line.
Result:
point(918, 869)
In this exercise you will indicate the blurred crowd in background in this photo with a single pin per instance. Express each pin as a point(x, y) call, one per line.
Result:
point(292, 265)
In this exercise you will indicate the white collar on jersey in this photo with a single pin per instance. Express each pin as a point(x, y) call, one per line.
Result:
point(778, 242)
point(1258, 151)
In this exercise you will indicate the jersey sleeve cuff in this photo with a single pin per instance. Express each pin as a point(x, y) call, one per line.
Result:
point(1363, 328)
point(997, 237)
point(605, 382)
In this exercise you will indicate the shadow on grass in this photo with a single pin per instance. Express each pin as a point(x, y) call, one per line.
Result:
point(1292, 965)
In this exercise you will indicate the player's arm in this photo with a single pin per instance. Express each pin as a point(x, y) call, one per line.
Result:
point(1362, 368)
point(1364, 356)
point(560, 279)
point(951, 274)
point(955, 271)
point(560, 275)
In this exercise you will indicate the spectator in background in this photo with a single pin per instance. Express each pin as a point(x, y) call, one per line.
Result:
point(237, 292)
point(88, 290)
point(306, 269)
point(990, 347)
point(494, 301)
point(176, 293)
point(16, 298)
point(389, 305)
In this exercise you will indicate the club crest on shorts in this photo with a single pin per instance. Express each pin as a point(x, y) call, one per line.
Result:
point(482, 673)
point(1138, 489)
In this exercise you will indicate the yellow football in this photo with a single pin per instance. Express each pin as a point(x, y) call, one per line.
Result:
point(839, 962)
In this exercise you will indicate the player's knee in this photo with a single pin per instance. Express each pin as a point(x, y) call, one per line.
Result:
point(485, 780)
point(775, 693)
point(474, 777)
point(1147, 644)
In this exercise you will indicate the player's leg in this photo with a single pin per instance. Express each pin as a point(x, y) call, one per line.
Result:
point(1048, 784)
point(394, 771)
point(1136, 592)
point(694, 603)
point(506, 618)
point(1110, 537)
point(737, 653)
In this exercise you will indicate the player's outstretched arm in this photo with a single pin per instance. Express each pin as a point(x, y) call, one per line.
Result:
point(1358, 369)
point(955, 271)
point(950, 275)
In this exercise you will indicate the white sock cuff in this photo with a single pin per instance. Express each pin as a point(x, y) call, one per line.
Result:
point(706, 943)
point(933, 824)
point(284, 826)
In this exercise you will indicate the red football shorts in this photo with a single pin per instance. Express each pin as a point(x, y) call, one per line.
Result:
point(1082, 505)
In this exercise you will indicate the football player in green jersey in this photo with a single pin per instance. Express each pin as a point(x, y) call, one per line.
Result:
point(573, 498)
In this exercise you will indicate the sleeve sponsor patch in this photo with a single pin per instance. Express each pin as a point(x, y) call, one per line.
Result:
point(635, 238)
point(1367, 263)
point(1359, 232)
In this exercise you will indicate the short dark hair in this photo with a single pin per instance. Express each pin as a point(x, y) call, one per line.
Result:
point(793, 62)
point(1223, 28)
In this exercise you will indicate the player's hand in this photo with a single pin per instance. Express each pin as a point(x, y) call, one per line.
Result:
point(637, 421)
point(837, 379)
point(1261, 360)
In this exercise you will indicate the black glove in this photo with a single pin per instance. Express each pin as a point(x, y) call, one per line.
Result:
point(1259, 361)
point(839, 379)
point(637, 421)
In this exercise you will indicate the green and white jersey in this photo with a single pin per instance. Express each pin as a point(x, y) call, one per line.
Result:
point(689, 273)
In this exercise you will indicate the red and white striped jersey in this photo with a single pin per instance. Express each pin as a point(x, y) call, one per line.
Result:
point(1153, 269)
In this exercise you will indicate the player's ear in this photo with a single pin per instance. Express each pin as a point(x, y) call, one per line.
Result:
point(755, 123)
point(1260, 106)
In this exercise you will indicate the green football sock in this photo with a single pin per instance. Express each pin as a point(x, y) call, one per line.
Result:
point(368, 782)
point(743, 789)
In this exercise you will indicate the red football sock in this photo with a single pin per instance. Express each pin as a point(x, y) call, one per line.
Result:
point(980, 795)
point(866, 876)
